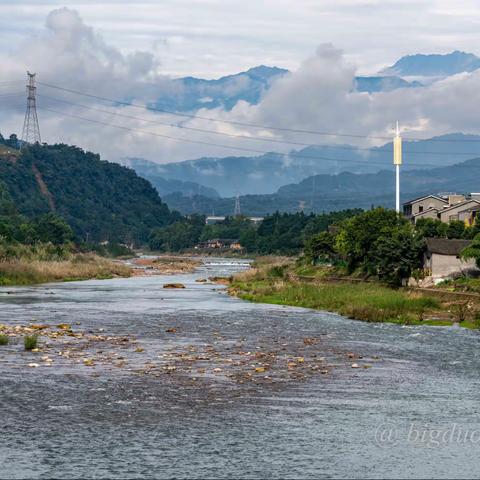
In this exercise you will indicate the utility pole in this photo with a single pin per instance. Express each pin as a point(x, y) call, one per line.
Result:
point(237, 212)
point(397, 161)
point(31, 130)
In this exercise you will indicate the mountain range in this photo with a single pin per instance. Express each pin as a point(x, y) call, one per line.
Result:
point(266, 173)
point(190, 93)
point(336, 192)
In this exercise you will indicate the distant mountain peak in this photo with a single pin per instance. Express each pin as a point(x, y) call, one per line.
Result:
point(434, 65)
point(265, 71)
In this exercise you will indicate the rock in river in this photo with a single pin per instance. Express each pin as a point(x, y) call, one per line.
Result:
point(174, 285)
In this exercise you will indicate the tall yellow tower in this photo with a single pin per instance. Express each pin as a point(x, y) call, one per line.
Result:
point(397, 161)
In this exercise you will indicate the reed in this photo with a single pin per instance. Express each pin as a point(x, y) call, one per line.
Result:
point(78, 267)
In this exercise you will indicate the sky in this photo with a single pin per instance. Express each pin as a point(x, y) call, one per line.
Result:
point(133, 50)
point(210, 38)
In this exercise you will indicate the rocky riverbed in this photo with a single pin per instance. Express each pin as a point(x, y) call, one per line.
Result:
point(134, 380)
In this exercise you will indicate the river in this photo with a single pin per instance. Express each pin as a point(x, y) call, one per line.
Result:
point(142, 411)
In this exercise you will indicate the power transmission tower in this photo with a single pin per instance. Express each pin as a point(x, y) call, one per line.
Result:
point(31, 130)
point(237, 211)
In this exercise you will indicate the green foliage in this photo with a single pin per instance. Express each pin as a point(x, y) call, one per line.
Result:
point(381, 243)
point(359, 233)
point(456, 229)
point(50, 228)
point(278, 271)
point(30, 342)
point(231, 227)
point(396, 253)
point(320, 247)
point(362, 301)
point(110, 250)
point(473, 250)
point(101, 201)
point(280, 233)
point(178, 236)
point(433, 228)
point(4, 339)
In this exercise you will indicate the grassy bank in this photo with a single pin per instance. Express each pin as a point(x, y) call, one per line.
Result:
point(277, 282)
point(26, 271)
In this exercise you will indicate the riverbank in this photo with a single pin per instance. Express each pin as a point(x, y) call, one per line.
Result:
point(163, 265)
point(25, 271)
point(276, 281)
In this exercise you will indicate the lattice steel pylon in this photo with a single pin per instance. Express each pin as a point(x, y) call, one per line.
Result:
point(31, 130)
point(237, 211)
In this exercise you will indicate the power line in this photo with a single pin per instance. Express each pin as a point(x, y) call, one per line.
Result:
point(229, 147)
point(244, 124)
point(6, 95)
point(247, 137)
point(230, 122)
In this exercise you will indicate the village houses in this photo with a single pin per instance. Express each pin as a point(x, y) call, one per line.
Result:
point(442, 258)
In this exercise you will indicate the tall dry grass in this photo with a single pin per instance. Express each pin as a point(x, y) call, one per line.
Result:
point(78, 267)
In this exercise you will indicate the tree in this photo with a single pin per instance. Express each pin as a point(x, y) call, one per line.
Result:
point(455, 229)
point(396, 253)
point(320, 247)
point(52, 228)
point(472, 251)
point(12, 141)
point(357, 235)
point(431, 228)
point(177, 236)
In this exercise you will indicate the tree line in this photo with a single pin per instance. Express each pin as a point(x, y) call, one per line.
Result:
point(280, 233)
point(384, 244)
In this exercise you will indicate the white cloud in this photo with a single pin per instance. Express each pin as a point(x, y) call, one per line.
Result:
point(316, 96)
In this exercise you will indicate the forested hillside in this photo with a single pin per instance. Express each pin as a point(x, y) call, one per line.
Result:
point(345, 190)
point(99, 200)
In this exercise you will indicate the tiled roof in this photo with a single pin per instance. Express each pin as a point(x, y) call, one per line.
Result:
point(446, 246)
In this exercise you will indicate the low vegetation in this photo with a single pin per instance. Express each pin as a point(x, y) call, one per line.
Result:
point(278, 284)
point(4, 339)
point(283, 281)
point(30, 342)
point(77, 267)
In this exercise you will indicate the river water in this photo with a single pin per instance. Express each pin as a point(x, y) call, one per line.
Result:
point(413, 414)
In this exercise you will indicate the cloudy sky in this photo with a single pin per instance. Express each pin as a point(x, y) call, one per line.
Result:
point(214, 37)
point(132, 50)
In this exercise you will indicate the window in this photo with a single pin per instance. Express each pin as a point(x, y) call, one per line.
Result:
point(420, 208)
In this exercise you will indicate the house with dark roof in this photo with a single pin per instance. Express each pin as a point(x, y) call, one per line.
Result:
point(442, 259)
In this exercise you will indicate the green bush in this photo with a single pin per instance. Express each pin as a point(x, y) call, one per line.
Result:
point(30, 342)
point(278, 271)
point(4, 339)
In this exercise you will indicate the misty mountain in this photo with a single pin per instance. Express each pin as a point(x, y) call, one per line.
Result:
point(152, 172)
point(345, 190)
point(435, 65)
point(266, 173)
point(192, 93)
point(383, 84)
